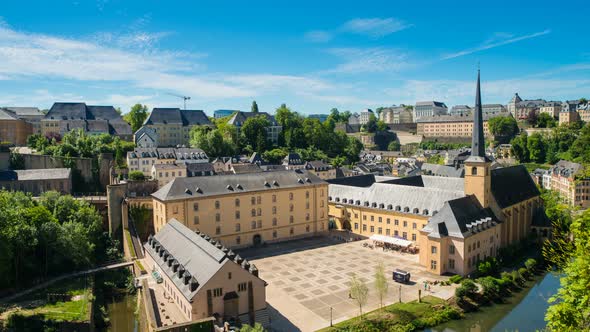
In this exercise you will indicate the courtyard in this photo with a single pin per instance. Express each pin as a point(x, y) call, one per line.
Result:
point(308, 280)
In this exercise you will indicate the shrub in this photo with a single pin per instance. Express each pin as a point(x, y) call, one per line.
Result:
point(530, 264)
point(437, 318)
point(516, 277)
point(456, 279)
point(467, 288)
point(488, 266)
point(523, 273)
point(136, 176)
point(490, 285)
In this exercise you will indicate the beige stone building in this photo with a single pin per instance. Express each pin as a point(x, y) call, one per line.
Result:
point(142, 159)
point(451, 125)
point(13, 130)
point(455, 222)
point(321, 169)
point(552, 108)
point(567, 117)
point(568, 181)
point(165, 173)
point(172, 125)
point(204, 278)
point(246, 209)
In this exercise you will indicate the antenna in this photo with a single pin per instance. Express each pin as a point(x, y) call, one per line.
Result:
point(184, 98)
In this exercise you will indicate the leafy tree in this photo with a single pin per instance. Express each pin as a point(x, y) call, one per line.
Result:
point(381, 285)
point(16, 161)
point(254, 107)
point(570, 307)
point(212, 141)
point(253, 132)
point(394, 146)
point(503, 127)
point(532, 117)
point(136, 116)
point(136, 176)
point(580, 148)
point(256, 328)
point(359, 292)
point(545, 121)
point(274, 156)
point(583, 100)
point(520, 148)
point(536, 148)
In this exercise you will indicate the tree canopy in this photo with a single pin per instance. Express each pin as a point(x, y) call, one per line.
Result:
point(503, 127)
point(136, 116)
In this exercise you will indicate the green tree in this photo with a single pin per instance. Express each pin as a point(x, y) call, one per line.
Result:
point(253, 132)
point(136, 176)
point(394, 146)
point(256, 328)
point(545, 121)
point(254, 107)
point(381, 285)
point(580, 150)
point(503, 127)
point(536, 148)
point(274, 156)
point(136, 116)
point(359, 292)
point(570, 307)
point(520, 148)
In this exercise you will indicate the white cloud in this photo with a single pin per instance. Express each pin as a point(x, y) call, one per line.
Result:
point(318, 36)
point(369, 60)
point(375, 27)
point(494, 42)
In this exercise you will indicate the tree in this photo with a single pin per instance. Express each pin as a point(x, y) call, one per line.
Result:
point(394, 146)
point(532, 117)
point(519, 148)
point(583, 100)
point(136, 116)
point(274, 156)
point(136, 176)
point(545, 121)
point(254, 132)
point(254, 107)
point(256, 328)
point(359, 292)
point(570, 307)
point(17, 160)
point(381, 285)
point(503, 127)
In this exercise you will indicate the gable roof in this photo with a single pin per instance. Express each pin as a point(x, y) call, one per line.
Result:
point(460, 218)
point(25, 111)
point(195, 187)
point(91, 118)
point(442, 170)
point(511, 185)
point(160, 115)
point(200, 256)
point(240, 117)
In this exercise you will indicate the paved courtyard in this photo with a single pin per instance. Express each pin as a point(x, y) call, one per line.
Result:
point(308, 280)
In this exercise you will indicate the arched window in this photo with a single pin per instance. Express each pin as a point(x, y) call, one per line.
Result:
point(473, 170)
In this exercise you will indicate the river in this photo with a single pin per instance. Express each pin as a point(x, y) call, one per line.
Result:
point(525, 311)
point(121, 312)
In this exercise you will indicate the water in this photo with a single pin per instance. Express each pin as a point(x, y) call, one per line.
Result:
point(121, 313)
point(525, 311)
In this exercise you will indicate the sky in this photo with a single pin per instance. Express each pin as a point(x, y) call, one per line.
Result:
point(310, 55)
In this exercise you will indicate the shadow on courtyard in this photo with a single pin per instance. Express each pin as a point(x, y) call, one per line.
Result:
point(286, 247)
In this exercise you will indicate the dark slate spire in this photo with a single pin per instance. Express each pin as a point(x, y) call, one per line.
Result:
point(478, 140)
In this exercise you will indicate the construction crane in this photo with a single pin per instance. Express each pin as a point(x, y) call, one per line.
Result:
point(184, 98)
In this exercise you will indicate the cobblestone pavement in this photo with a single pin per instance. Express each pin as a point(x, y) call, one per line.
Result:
point(308, 286)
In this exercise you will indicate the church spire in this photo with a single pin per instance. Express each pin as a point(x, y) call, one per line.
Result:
point(478, 140)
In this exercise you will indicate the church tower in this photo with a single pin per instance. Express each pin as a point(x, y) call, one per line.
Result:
point(477, 166)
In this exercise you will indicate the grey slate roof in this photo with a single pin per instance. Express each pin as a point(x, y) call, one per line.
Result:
point(459, 218)
point(88, 117)
point(26, 111)
point(292, 159)
point(194, 187)
point(566, 168)
point(511, 185)
point(394, 197)
point(245, 168)
point(180, 154)
point(161, 115)
point(317, 165)
point(240, 117)
point(442, 170)
point(36, 174)
point(7, 115)
point(200, 256)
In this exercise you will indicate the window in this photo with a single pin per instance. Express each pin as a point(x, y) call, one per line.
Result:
point(388, 221)
point(307, 205)
point(372, 218)
point(413, 237)
point(405, 223)
point(292, 231)
point(291, 196)
point(195, 206)
point(237, 202)
point(217, 217)
point(473, 170)
point(238, 240)
point(380, 219)
point(237, 214)
point(291, 219)
point(274, 198)
point(451, 264)
point(356, 215)
point(396, 222)
point(217, 292)
point(307, 216)
point(469, 248)
point(477, 244)
point(356, 225)
point(229, 275)
point(405, 235)
point(253, 213)
point(196, 220)
point(387, 231)
point(433, 265)
point(395, 233)
point(274, 210)
point(364, 217)
point(217, 205)
point(253, 200)
point(259, 212)
point(290, 207)
point(253, 224)
point(364, 228)
point(380, 230)
point(414, 226)
point(372, 229)
point(274, 234)
point(238, 227)
point(259, 200)
point(433, 249)
point(217, 230)
point(307, 228)
point(242, 287)
point(274, 221)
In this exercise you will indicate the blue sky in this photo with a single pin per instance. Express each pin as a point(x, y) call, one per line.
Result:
point(310, 56)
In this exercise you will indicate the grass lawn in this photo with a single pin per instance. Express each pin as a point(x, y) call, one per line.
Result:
point(411, 316)
point(129, 243)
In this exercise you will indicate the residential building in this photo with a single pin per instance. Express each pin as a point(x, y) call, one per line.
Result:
point(365, 116)
point(512, 105)
point(570, 105)
point(243, 210)
point(320, 117)
point(584, 112)
point(165, 173)
point(13, 130)
point(146, 137)
point(272, 131)
point(552, 108)
point(173, 125)
point(93, 120)
point(202, 277)
point(493, 108)
point(31, 115)
point(199, 169)
point(37, 181)
point(293, 161)
point(460, 110)
point(451, 125)
point(568, 180)
point(566, 116)
point(428, 109)
point(321, 169)
point(396, 114)
point(520, 109)
point(142, 159)
point(217, 114)
point(380, 156)
point(455, 222)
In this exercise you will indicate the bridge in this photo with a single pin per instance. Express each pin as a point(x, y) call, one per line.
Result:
point(42, 285)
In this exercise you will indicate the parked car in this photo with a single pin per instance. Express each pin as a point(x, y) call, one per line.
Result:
point(401, 276)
